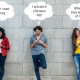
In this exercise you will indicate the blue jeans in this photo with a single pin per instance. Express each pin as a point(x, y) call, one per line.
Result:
point(2, 63)
point(39, 61)
point(77, 63)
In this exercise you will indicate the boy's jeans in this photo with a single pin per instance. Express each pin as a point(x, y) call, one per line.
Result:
point(39, 61)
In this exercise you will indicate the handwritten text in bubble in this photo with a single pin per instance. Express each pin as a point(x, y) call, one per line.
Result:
point(6, 11)
point(39, 10)
point(74, 11)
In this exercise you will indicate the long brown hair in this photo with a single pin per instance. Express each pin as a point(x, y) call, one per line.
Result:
point(3, 33)
point(74, 37)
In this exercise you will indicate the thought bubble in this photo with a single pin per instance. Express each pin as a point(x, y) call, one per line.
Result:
point(38, 10)
point(74, 11)
point(6, 11)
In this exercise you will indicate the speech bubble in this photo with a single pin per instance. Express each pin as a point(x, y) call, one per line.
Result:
point(38, 10)
point(6, 11)
point(74, 11)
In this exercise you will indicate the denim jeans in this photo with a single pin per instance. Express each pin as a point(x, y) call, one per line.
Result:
point(2, 63)
point(77, 63)
point(39, 61)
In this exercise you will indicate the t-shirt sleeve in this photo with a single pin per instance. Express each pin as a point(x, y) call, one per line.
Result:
point(45, 41)
point(31, 40)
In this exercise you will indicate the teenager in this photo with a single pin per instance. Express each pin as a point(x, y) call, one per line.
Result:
point(37, 43)
point(4, 46)
point(76, 50)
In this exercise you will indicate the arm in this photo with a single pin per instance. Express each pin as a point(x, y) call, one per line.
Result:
point(74, 46)
point(33, 44)
point(44, 44)
point(7, 45)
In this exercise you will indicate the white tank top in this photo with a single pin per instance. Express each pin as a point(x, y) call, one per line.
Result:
point(0, 43)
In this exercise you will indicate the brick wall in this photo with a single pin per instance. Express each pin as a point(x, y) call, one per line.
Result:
point(58, 30)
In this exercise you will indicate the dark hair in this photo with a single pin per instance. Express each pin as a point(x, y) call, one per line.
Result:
point(38, 27)
point(74, 37)
point(3, 33)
